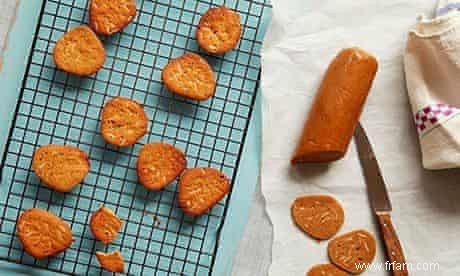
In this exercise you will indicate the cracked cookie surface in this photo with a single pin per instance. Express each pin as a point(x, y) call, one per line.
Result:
point(202, 188)
point(190, 76)
point(111, 16)
point(42, 233)
point(60, 167)
point(123, 122)
point(219, 30)
point(79, 51)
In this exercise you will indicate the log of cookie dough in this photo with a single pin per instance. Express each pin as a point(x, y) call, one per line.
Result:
point(337, 107)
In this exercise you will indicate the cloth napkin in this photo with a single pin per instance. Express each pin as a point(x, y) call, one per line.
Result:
point(432, 66)
point(303, 38)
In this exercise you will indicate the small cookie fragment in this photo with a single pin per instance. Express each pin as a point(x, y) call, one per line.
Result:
point(200, 189)
point(112, 261)
point(352, 251)
point(111, 16)
point(42, 233)
point(320, 216)
point(219, 30)
point(105, 225)
point(190, 76)
point(326, 270)
point(60, 167)
point(159, 164)
point(123, 122)
point(79, 52)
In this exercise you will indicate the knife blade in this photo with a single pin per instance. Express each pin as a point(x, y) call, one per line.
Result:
point(380, 202)
point(378, 194)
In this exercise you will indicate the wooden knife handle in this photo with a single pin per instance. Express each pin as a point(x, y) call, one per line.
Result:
point(392, 244)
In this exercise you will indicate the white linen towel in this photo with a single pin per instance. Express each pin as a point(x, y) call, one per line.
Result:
point(432, 66)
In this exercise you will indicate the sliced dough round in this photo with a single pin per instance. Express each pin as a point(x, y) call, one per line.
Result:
point(60, 167)
point(79, 52)
point(104, 225)
point(201, 188)
point(219, 30)
point(110, 16)
point(123, 122)
point(352, 251)
point(190, 76)
point(326, 270)
point(42, 233)
point(320, 216)
point(159, 164)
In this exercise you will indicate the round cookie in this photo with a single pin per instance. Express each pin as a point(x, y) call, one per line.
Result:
point(320, 216)
point(43, 234)
point(159, 164)
point(200, 189)
point(60, 167)
point(104, 225)
point(79, 52)
point(190, 76)
point(112, 261)
point(110, 16)
point(123, 122)
point(326, 270)
point(219, 30)
point(352, 251)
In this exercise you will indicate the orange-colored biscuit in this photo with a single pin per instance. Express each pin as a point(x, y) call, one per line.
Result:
point(79, 52)
point(105, 225)
point(60, 167)
point(159, 164)
point(320, 216)
point(326, 270)
point(123, 122)
point(110, 16)
point(190, 76)
point(200, 189)
point(43, 234)
point(352, 251)
point(219, 30)
point(112, 261)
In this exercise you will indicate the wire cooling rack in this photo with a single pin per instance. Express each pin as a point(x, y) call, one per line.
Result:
point(54, 107)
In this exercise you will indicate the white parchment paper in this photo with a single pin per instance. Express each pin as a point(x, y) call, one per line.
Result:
point(302, 40)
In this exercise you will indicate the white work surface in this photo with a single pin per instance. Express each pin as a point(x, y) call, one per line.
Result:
point(304, 37)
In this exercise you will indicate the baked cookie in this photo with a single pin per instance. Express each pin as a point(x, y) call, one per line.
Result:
point(110, 16)
point(112, 261)
point(190, 76)
point(326, 270)
point(123, 122)
point(43, 234)
point(104, 225)
point(79, 52)
point(352, 251)
point(200, 189)
point(320, 216)
point(159, 164)
point(219, 30)
point(60, 167)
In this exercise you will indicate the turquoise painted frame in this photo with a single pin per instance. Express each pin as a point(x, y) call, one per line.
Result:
point(12, 72)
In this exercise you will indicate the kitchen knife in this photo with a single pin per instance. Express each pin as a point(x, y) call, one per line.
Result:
point(380, 202)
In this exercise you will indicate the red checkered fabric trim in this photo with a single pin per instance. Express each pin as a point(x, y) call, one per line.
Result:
point(432, 115)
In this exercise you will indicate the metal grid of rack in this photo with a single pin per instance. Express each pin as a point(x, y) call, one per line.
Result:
point(54, 107)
